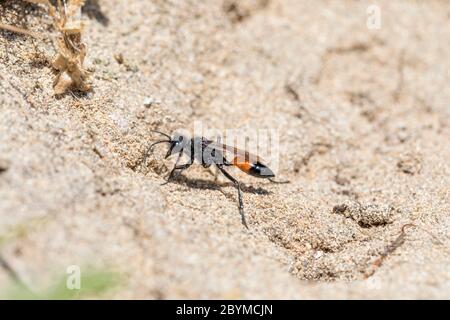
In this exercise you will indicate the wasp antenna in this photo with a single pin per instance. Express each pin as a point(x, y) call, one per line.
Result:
point(164, 134)
point(158, 142)
point(147, 153)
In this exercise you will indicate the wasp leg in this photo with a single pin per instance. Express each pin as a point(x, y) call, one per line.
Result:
point(173, 174)
point(216, 175)
point(238, 186)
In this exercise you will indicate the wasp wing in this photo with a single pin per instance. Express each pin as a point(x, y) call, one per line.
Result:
point(238, 155)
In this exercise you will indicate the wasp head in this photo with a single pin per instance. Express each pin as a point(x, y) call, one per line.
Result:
point(177, 143)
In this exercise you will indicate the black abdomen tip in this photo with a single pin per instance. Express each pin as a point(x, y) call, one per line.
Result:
point(260, 170)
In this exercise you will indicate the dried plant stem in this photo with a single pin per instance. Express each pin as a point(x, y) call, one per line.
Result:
point(389, 250)
point(4, 264)
point(17, 30)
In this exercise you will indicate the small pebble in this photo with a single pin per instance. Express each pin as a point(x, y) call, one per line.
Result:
point(409, 164)
point(4, 165)
point(119, 58)
point(318, 254)
point(149, 101)
point(367, 214)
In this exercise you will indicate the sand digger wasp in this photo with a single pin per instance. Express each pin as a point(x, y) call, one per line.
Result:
point(207, 152)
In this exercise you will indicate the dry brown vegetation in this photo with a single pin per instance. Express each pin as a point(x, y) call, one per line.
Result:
point(71, 51)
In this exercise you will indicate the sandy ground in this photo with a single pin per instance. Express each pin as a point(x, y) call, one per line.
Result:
point(363, 118)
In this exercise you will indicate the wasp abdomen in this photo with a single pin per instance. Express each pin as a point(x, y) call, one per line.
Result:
point(257, 169)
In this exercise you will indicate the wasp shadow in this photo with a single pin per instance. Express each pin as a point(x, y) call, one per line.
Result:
point(203, 184)
point(93, 10)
